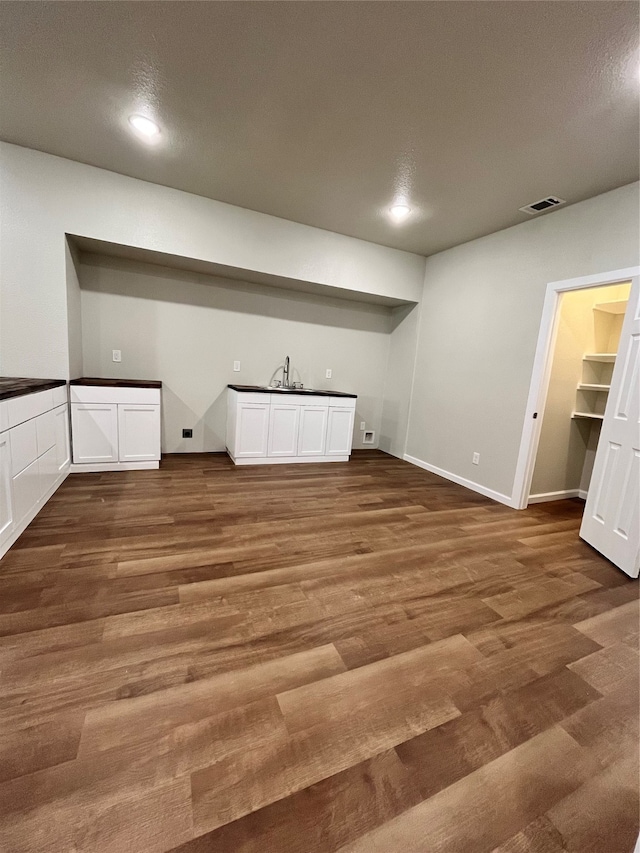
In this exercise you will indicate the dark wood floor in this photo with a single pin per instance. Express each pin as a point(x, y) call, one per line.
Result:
point(291, 659)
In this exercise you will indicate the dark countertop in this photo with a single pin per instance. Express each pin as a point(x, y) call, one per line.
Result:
point(263, 389)
point(18, 387)
point(116, 383)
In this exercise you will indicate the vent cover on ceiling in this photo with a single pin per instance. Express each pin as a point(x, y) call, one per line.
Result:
point(544, 204)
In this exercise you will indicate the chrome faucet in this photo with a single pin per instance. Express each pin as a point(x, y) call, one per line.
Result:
point(285, 373)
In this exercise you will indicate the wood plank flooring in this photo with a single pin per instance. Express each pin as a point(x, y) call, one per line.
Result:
point(350, 657)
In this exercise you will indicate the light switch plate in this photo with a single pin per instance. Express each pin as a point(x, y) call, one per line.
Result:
point(116, 354)
point(236, 366)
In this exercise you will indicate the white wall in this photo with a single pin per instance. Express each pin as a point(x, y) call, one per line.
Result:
point(43, 197)
point(479, 322)
point(186, 329)
point(397, 391)
point(74, 313)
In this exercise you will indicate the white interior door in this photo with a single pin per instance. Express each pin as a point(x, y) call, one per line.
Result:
point(611, 521)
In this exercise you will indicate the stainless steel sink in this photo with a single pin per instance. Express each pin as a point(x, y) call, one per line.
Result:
point(279, 389)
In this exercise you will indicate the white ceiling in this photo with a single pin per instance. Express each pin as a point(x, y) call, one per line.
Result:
point(323, 112)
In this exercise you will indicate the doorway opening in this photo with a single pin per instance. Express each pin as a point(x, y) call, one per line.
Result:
point(542, 368)
point(589, 323)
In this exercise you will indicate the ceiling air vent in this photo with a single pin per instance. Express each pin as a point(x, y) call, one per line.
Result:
point(544, 204)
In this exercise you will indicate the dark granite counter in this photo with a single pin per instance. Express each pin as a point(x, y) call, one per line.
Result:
point(266, 389)
point(117, 383)
point(18, 387)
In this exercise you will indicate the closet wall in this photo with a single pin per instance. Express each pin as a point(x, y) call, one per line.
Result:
point(568, 442)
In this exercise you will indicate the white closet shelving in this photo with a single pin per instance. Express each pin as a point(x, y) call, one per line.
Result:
point(597, 367)
point(617, 307)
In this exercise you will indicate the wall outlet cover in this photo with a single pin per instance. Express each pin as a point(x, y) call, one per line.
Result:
point(116, 354)
point(236, 366)
point(363, 425)
point(475, 459)
point(187, 433)
point(327, 373)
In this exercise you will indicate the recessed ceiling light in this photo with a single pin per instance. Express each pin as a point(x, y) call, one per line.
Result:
point(399, 212)
point(145, 126)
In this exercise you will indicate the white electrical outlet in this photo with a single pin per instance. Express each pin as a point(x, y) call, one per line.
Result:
point(475, 459)
point(363, 425)
point(116, 355)
point(236, 366)
point(328, 373)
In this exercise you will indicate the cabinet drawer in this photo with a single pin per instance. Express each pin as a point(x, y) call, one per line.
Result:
point(29, 406)
point(343, 402)
point(45, 431)
point(4, 415)
point(240, 397)
point(101, 394)
point(26, 491)
point(60, 395)
point(24, 446)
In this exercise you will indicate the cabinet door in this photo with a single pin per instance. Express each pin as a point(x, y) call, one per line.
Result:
point(24, 445)
point(252, 429)
point(26, 491)
point(313, 430)
point(6, 500)
point(138, 433)
point(48, 471)
point(339, 431)
point(62, 437)
point(94, 427)
point(283, 429)
point(45, 431)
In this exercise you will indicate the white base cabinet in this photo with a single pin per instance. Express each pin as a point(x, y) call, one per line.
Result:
point(34, 457)
point(267, 429)
point(115, 428)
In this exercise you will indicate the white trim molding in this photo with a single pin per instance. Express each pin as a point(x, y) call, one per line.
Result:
point(461, 481)
point(285, 460)
point(97, 467)
point(541, 374)
point(557, 496)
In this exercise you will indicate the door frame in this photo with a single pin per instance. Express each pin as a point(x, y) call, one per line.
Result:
point(541, 374)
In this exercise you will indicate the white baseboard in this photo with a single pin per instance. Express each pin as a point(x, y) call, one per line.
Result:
point(284, 460)
point(97, 467)
point(461, 481)
point(17, 532)
point(542, 497)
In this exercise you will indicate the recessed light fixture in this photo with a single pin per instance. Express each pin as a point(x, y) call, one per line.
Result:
point(399, 212)
point(145, 126)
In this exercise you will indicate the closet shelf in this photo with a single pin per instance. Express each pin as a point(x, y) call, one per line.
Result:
point(618, 307)
point(590, 386)
point(591, 415)
point(606, 357)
